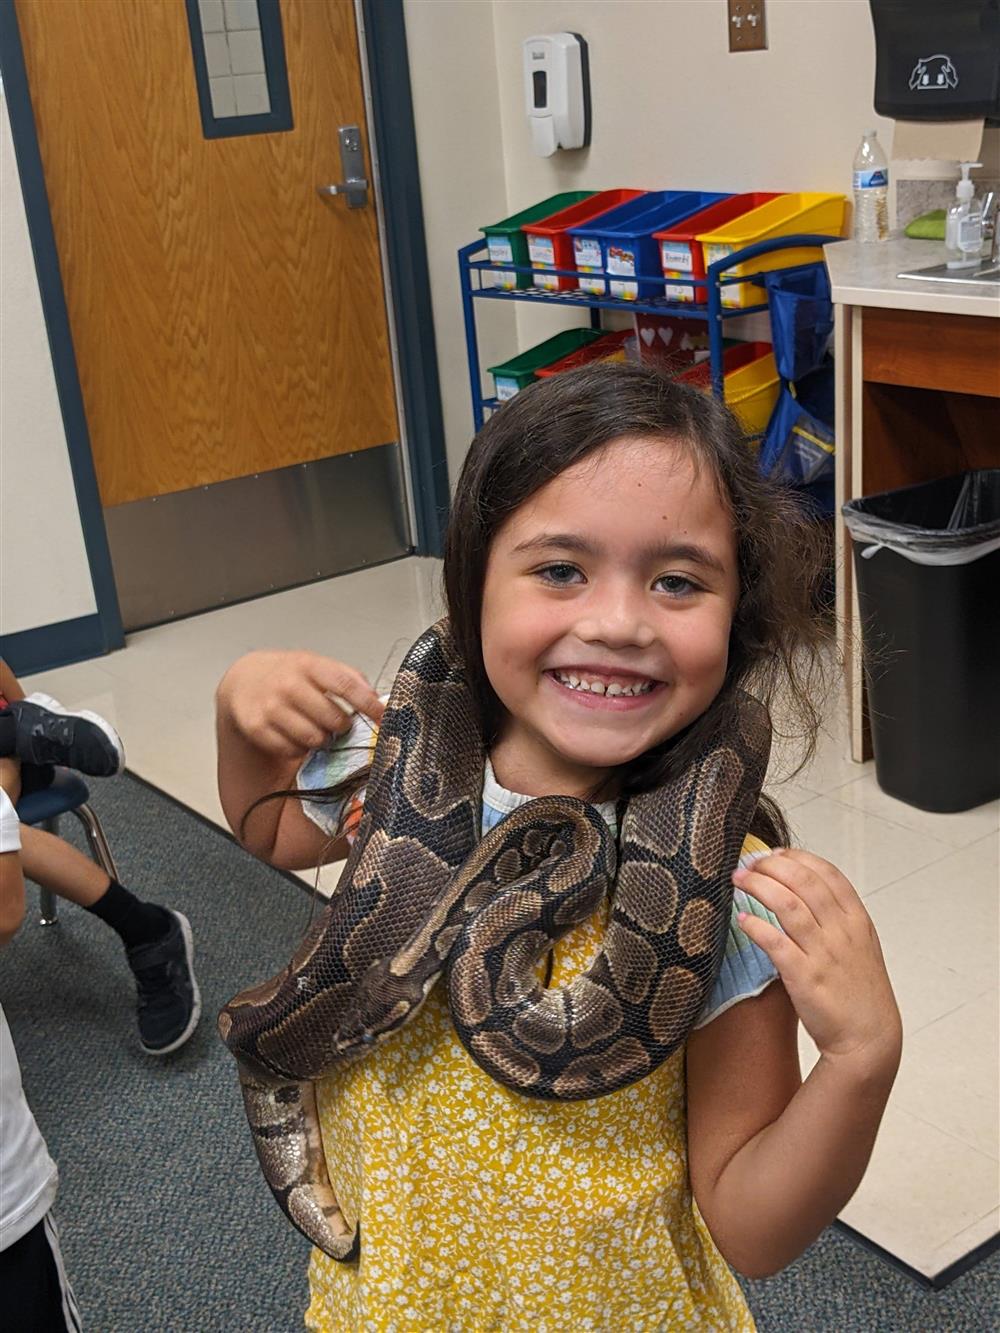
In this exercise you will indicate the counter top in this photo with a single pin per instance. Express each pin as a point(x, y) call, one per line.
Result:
point(866, 275)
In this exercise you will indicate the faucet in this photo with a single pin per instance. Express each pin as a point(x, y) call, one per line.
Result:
point(991, 224)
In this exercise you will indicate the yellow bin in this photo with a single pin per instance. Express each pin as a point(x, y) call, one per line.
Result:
point(752, 391)
point(819, 214)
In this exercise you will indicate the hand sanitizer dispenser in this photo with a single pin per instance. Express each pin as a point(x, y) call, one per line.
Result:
point(963, 236)
point(557, 91)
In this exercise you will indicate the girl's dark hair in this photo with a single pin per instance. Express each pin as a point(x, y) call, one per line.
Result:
point(777, 636)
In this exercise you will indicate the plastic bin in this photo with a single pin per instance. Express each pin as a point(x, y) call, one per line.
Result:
point(508, 244)
point(622, 242)
point(608, 347)
point(927, 562)
point(551, 246)
point(682, 254)
point(819, 214)
point(513, 375)
point(589, 249)
point(750, 382)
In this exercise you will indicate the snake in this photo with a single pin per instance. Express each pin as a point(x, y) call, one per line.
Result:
point(424, 897)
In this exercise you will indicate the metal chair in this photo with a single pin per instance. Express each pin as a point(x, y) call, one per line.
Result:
point(67, 795)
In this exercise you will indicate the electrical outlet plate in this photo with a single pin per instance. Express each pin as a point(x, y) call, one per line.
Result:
point(747, 26)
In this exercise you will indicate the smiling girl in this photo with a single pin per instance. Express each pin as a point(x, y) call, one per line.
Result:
point(616, 573)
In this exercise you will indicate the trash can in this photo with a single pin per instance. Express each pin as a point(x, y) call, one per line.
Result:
point(927, 563)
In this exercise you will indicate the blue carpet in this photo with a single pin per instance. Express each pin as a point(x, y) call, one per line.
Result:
point(166, 1222)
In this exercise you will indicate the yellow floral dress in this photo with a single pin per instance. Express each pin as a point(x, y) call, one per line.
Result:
point(482, 1209)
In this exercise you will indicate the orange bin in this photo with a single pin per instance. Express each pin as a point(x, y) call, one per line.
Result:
point(549, 245)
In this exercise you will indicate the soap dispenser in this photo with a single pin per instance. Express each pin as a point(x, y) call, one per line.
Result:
point(963, 236)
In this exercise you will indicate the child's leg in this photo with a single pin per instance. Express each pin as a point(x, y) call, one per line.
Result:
point(10, 778)
point(10, 686)
point(157, 940)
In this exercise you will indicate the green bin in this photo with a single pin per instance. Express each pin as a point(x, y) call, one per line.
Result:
point(508, 244)
point(513, 375)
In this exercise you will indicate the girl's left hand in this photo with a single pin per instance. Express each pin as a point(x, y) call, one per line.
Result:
point(828, 957)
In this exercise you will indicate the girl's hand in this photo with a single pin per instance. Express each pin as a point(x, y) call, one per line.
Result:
point(281, 701)
point(828, 957)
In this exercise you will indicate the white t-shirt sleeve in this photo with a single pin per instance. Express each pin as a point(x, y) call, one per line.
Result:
point(28, 1176)
point(10, 825)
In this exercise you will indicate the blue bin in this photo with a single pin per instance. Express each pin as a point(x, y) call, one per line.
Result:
point(621, 242)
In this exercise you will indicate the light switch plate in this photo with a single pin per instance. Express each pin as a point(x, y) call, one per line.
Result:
point(747, 25)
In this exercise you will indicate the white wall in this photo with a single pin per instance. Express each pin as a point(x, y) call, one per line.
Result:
point(44, 574)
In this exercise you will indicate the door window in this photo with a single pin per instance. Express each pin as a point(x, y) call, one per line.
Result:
point(239, 66)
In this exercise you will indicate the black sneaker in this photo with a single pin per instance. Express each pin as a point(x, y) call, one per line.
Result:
point(48, 733)
point(169, 1003)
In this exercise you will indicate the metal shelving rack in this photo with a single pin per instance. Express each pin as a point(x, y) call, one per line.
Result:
point(712, 310)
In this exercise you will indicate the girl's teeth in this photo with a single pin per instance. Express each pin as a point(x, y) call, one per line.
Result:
point(599, 687)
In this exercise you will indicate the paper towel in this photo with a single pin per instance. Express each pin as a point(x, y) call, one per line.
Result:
point(944, 140)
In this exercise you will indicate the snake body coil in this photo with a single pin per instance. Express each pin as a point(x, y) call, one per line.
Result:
point(421, 894)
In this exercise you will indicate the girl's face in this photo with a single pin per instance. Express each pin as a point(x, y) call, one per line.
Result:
point(607, 604)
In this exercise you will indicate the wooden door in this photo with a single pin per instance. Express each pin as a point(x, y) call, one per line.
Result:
point(227, 320)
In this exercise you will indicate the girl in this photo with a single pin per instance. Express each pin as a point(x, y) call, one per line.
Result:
point(615, 571)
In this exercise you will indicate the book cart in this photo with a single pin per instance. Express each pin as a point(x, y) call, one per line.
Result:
point(473, 264)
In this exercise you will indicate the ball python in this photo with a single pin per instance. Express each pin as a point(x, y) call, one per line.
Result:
point(423, 894)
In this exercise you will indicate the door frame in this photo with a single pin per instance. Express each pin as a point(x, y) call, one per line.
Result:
point(392, 140)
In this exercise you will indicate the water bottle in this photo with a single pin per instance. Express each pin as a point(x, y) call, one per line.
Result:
point(871, 190)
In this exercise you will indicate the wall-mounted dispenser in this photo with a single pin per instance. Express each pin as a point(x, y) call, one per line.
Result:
point(557, 91)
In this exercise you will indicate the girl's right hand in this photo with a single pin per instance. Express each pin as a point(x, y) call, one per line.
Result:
point(281, 701)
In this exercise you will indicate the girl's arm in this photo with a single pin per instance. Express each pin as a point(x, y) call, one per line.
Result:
point(773, 1159)
point(272, 709)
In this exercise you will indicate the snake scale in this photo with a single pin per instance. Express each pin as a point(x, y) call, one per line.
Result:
point(422, 894)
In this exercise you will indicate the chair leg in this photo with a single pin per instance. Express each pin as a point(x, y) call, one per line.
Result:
point(99, 849)
point(48, 903)
point(47, 908)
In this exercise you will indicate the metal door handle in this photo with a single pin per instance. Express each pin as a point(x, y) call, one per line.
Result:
point(354, 186)
point(356, 191)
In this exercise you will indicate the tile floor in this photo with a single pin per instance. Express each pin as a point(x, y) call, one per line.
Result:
point(930, 882)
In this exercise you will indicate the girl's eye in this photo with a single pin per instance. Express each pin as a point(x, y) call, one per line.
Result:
point(560, 576)
point(677, 585)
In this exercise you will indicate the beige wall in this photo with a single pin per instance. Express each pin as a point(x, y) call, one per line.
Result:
point(674, 108)
point(456, 111)
point(43, 561)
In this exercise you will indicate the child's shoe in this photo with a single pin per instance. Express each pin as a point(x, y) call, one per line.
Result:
point(48, 733)
point(169, 1003)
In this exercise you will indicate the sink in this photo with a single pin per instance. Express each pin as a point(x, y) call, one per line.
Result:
point(988, 271)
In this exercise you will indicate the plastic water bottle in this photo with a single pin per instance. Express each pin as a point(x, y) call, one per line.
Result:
point(871, 190)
